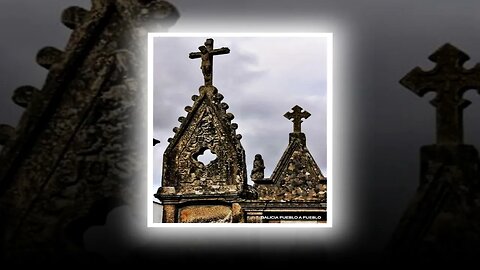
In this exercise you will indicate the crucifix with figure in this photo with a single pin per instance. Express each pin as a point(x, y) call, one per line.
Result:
point(206, 53)
point(297, 116)
point(449, 79)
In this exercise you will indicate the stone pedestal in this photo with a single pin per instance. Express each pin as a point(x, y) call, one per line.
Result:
point(459, 161)
point(168, 213)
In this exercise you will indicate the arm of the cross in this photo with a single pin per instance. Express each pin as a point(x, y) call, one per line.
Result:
point(288, 115)
point(305, 115)
point(449, 79)
point(223, 50)
point(449, 67)
point(194, 55)
point(420, 82)
point(471, 79)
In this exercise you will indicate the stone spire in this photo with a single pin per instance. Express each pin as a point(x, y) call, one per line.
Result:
point(206, 127)
point(73, 156)
point(297, 176)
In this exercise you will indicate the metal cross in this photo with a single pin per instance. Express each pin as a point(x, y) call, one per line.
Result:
point(449, 79)
point(297, 116)
point(206, 54)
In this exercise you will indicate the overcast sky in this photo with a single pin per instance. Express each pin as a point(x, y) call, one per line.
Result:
point(261, 79)
point(379, 125)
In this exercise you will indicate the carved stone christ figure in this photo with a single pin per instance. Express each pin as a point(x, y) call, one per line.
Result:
point(206, 53)
point(206, 65)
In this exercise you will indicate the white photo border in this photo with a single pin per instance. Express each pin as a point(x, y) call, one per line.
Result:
point(150, 191)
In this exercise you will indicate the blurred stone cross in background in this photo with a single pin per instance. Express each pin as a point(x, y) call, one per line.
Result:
point(442, 218)
point(206, 54)
point(449, 79)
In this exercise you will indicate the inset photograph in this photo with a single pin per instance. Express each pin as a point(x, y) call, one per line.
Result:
point(240, 125)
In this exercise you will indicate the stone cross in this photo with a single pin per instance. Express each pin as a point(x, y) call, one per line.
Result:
point(297, 116)
point(206, 54)
point(449, 79)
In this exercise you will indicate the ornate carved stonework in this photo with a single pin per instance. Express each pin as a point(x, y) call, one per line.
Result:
point(207, 126)
point(192, 191)
point(186, 181)
point(297, 176)
point(74, 155)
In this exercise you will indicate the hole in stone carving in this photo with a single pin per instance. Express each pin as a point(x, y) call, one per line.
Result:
point(205, 156)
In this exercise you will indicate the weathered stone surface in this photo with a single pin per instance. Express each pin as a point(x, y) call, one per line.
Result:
point(73, 17)
point(444, 207)
point(74, 156)
point(6, 133)
point(258, 168)
point(24, 95)
point(169, 213)
point(249, 193)
point(204, 128)
point(48, 56)
point(156, 15)
point(237, 213)
point(206, 214)
point(297, 176)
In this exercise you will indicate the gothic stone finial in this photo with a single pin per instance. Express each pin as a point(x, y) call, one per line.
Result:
point(297, 116)
point(449, 79)
point(206, 54)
